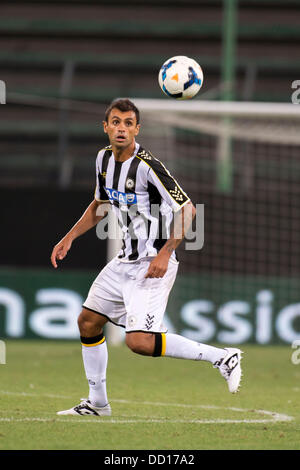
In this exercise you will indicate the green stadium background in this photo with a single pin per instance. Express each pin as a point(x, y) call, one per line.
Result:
point(62, 63)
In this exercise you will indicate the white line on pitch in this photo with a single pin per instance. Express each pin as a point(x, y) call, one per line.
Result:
point(274, 417)
point(94, 420)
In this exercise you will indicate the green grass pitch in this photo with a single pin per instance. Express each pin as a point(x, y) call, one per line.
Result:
point(157, 403)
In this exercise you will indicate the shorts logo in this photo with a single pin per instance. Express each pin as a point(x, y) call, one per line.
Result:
point(149, 321)
point(131, 321)
point(122, 198)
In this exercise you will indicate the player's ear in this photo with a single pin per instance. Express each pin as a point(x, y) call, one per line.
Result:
point(104, 126)
point(137, 129)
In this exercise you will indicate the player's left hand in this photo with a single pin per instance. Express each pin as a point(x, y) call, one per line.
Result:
point(158, 266)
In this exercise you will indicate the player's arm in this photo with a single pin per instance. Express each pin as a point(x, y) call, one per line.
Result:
point(88, 220)
point(181, 224)
point(184, 212)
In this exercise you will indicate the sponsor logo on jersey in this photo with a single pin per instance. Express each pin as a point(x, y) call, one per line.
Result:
point(121, 198)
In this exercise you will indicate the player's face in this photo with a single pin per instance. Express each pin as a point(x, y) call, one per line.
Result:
point(121, 128)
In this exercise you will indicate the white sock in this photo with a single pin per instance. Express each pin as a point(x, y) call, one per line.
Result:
point(95, 358)
point(183, 348)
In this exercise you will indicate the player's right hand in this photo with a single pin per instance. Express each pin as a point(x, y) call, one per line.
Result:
point(60, 251)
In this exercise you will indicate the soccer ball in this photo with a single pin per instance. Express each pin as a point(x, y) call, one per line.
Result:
point(180, 77)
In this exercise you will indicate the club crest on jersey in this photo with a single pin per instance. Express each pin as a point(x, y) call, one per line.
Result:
point(120, 197)
point(129, 183)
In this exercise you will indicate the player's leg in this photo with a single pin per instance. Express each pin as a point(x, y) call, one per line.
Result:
point(227, 360)
point(172, 345)
point(146, 300)
point(95, 314)
point(146, 309)
point(140, 342)
point(94, 354)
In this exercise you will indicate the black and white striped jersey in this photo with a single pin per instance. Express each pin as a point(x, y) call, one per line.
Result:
point(144, 197)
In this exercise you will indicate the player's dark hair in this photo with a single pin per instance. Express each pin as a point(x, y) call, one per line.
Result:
point(123, 105)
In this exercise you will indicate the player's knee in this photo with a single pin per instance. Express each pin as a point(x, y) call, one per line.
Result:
point(87, 325)
point(140, 343)
point(83, 324)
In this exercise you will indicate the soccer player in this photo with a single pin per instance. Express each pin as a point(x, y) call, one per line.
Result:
point(132, 290)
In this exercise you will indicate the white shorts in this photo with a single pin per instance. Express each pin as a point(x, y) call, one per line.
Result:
point(122, 294)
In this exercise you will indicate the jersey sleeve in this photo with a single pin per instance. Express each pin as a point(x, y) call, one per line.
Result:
point(168, 187)
point(100, 193)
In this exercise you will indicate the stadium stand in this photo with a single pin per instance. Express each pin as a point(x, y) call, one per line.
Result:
point(91, 52)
